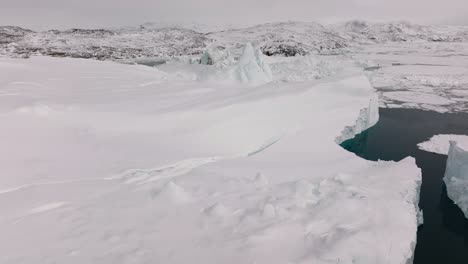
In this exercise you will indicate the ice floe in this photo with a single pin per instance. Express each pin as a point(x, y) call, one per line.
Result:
point(184, 170)
point(440, 144)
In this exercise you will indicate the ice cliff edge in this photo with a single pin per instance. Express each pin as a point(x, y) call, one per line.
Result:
point(367, 118)
point(456, 175)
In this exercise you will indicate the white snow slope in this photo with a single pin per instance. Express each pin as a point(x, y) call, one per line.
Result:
point(440, 144)
point(456, 175)
point(111, 163)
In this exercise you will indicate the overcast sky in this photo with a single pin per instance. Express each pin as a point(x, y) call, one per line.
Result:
point(47, 14)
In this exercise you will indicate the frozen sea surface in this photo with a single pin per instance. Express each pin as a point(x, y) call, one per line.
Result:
point(428, 76)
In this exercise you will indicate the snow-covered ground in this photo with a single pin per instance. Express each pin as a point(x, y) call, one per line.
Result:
point(440, 144)
point(112, 163)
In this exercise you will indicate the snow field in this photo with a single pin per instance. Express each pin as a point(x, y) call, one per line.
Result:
point(111, 163)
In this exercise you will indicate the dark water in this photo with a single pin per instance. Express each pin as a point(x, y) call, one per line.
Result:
point(443, 238)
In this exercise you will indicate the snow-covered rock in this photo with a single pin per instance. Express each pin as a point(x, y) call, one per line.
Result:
point(363, 32)
point(286, 48)
point(110, 44)
point(166, 40)
point(456, 174)
point(282, 38)
point(10, 34)
point(130, 166)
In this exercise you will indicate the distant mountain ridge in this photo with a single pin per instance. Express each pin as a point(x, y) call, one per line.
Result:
point(398, 31)
point(172, 40)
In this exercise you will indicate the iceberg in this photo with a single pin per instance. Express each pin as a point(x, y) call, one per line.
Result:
point(251, 67)
point(456, 175)
point(216, 55)
point(129, 166)
point(456, 171)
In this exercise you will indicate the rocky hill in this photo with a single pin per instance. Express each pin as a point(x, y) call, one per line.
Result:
point(157, 41)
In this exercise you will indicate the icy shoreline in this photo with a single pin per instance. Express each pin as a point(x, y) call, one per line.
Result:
point(126, 166)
